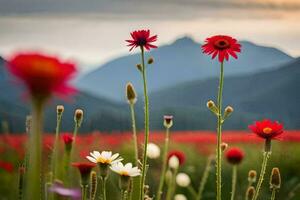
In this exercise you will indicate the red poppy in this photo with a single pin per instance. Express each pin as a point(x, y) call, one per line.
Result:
point(7, 166)
point(142, 38)
point(267, 129)
point(234, 155)
point(84, 168)
point(221, 45)
point(42, 75)
point(67, 138)
point(180, 155)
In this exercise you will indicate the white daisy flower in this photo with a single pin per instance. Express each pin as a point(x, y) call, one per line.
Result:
point(125, 170)
point(105, 157)
point(153, 151)
point(183, 180)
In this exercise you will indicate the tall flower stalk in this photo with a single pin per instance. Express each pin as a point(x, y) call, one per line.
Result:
point(43, 76)
point(143, 40)
point(132, 98)
point(223, 47)
point(168, 123)
point(54, 158)
point(267, 130)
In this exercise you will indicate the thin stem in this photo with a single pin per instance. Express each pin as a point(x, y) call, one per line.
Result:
point(21, 185)
point(135, 142)
point(273, 194)
point(192, 191)
point(55, 147)
point(219, 132)
point(84, 191)
point(33, 184)
point(234, 177)
point(262, 174)
point(76, 127)
point(67, 160)
point(172, 185)
point(103, 187)
point(164, 166)
point(204, 179)
point(146, 126)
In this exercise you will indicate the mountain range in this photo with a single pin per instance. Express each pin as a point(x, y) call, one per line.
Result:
point(176, 63)
point(262, 83)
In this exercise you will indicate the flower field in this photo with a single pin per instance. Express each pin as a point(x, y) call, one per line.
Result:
point(197, 146)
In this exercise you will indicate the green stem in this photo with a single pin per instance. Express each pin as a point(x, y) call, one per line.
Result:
point(234, 177)
point(54, 156)
point(76, 127)
point(262, 174)
point(67, 160)
point(164, 166)
point(84, 191)
point(21, 185)
point(204, 179)
point(192, 191)
point(273, 194)
point(135, 142)
point(103, 188)
point(146, 126)
point(219, 132)
point(33, 184)
point(172, 185)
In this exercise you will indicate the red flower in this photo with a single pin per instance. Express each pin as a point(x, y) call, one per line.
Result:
point(67, 138)
point(267, 129)
point(84, 168)
point(141, 38)
point(7, 166)
point(43, 75)
point(221, 45)
point(180, 155)
point(234, 155)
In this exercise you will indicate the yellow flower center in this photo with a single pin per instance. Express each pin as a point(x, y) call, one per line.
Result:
point(124, 173)
point(43, 67)
point(267, 130)
point(103, 160)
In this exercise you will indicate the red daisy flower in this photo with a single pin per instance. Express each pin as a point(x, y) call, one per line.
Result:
point(267, 129)
point(141, 38)
point(234, 155)
point(84, 168)
point(42, 75)
point(67, 138)
point(221, 45)
point(180, 155)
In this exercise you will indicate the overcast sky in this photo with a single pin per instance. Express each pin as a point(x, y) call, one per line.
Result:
point(93, 31)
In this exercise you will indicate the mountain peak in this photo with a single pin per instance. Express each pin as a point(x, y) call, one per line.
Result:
point(185, 40)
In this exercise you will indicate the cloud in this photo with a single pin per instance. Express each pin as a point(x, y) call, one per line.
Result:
point(142, 8)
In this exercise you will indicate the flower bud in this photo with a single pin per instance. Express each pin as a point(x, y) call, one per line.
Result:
point(28, 123)
point(150, 61)
point(153, 151)
point(60, 109)
point(173, 162)
point(275, 180)
point(93, 185)
point(252, 176)
point(131, 94)
point(250, 192)
point(224, 146)
point(168, 121)
point(227, 112)
point(183, 180)
point(140, 67)
point(78, 116)
point(180, 197)
point(212, 107)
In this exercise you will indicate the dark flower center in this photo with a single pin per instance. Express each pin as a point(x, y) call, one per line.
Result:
point(221, 44)
point(141, 41)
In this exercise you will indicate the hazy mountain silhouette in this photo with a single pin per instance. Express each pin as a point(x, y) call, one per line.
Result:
point(176, 63)
point(270, 94)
